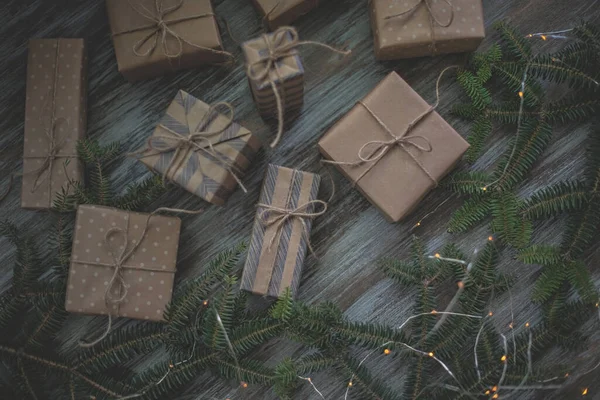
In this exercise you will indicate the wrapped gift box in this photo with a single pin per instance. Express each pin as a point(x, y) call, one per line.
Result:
point(104, 234)
point(396, 182)
point(419, 32)
point(55, 118)
point(287, 76)
point(276, 254)
point(207, 172)
point(191, 36)
point(278, 13)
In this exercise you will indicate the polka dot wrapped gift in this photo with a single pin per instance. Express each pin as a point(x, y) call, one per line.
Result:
point(55, 118)
point(122, 263)
point(417, 28)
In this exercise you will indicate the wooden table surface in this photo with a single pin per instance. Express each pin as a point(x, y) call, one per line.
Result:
point(353, 235)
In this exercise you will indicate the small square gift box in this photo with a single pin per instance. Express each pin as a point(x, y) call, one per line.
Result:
point(200, 149)
point(278, 13)
point(55, 119)
point(122, 263)
point(393, 146)
point(276, 74)
point(417, 28)
point(152, 37)
point(281, 232)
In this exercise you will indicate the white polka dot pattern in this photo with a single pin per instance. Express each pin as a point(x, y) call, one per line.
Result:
point(409, 35)
point(70, 113)
point(148, 275)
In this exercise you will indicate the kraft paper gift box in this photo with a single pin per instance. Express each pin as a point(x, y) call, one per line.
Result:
point(210, 167)
point(407, 29)
point(55, 118)
point(278, 13)
point(277, 251)
point(397, 181)
point(145, 48)
point(145, 250)
point(287, 76)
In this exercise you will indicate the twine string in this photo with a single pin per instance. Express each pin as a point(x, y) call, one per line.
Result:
point(433, 20)
point(120, 255)
point(280, 44)
point(197, 140)
point(380, 148)
point(160, 29)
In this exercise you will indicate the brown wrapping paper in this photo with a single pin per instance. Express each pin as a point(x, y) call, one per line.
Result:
point(193, 33)
point(410, 35)
point(272, 267)
point(288, 76)
point(55, 118)
point(278, 13)
point(396, 183)
point(200, 172)
point(148, 273)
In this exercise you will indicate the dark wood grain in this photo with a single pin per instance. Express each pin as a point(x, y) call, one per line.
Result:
point(354, 235)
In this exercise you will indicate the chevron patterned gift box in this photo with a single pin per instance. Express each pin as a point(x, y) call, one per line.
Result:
point(200, 149)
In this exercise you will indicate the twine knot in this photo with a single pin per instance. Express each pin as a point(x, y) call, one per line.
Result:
point(271, 216)
point(433, 20)
point(160, 28)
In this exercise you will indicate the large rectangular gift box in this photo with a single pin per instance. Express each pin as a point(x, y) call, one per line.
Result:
point(149, 42)
point(417, 28)
point(207, 170)
point(278, 13)
point(396, 182)
point(287, 76)
point(276, 253)
point(105, 237)
point(55, 118)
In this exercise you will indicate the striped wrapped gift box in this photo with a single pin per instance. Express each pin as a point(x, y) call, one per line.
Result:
point(288, 76)
point(276, 256)
point(202, 173)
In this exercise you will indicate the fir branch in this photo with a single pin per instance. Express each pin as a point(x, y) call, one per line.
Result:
point(466, 111)
point(250, 334)
point(581, 230)
point(546, 67)
point(516, 45)
point(472, 211)
point(401, 272)
point(45, 325)
point(468, 182)
point(571, 109)
point(282, 310)
point(481, 129)
point(472, 85)
point(507, 222)
point(540, 254)
point(364, 383)
point(140, 195)
point(551, 201)
point(370, 336)
point(581, 280)
point(546, 285)
point(251, 371)
point(10, 304)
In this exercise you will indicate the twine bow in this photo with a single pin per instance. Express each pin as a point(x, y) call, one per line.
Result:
point(380, 148)
point(197, 140)
point(433, 20)
point(280, 44)
point(120, 255)
point(44, 172)
point(161, 29)
point(278, 217)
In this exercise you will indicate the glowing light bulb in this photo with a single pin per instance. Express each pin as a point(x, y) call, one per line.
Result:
point(511, 325)
point(437, 255)
point(567, 375)
point(495, 396)
point(490, 314)
point(205, 303)
point(491, 238)
point(503, 359)
point(430, 354)
point(387, 351)
point(350, 384)
point(244, 384)
point(433, 312)
point(309, 379)
point(487, 392)
point(494, 388)
point(543, 37)
point(418, 224)
point(527, 325)
point(461, 284)
point(484, 188)
point(584, 392)
point(521, 94)
point(171, 365)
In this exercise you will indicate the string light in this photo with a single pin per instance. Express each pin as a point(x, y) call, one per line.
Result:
point(494, 388)
point(387, 351)
point(490, 314)
point(495, 396)
point(487, 392)
point(430, 354)
point(460, 284)
point(350, 384)
point(205, 303)
point(244, 384)
point(420, 222)
point(552, 35)
point(490, 238)
point(584, 392)
point(454, 260)
point(503, 359)
point(521, 94)
point(309, 380)
point(526, 324)
point(511, 326)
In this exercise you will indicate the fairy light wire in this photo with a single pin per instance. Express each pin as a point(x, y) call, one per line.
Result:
point(309, 380)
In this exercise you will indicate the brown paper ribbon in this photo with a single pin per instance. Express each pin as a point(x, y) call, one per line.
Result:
point(184, 144)
point(120, 257)
point(161, 29)
point(383, 147)
point(47, 166)
point(278, 48)
point(433, 20)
